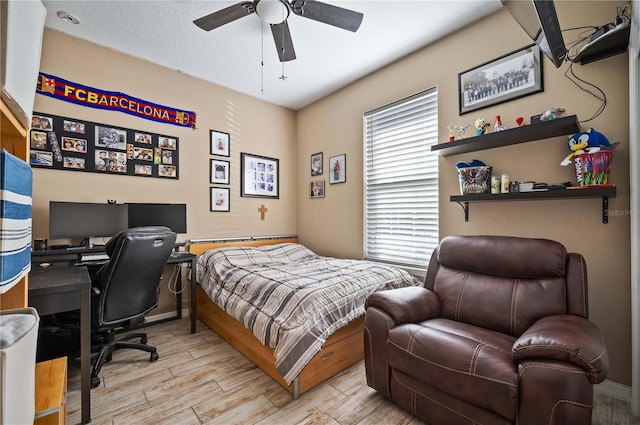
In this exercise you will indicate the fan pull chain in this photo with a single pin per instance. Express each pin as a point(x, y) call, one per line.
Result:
point(283, 77)
point(262, 60)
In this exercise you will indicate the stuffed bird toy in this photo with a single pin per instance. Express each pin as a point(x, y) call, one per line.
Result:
point(590, 141)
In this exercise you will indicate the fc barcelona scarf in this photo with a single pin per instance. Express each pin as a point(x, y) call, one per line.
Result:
point(58, 88)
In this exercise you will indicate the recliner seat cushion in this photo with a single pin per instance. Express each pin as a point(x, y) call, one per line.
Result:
point(464, 361)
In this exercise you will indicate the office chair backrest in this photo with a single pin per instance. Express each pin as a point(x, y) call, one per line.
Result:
point(129, 283)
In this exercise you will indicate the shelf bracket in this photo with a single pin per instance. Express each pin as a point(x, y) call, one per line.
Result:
point(605, 209)
point(465, 208)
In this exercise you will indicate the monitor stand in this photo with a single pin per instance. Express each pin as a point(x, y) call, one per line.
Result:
point(88, 242)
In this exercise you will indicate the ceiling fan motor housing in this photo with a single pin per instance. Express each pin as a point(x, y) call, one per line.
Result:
point(272, 11)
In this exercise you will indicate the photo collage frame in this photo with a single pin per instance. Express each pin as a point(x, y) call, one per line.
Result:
point(70, 144)
point(219, 171)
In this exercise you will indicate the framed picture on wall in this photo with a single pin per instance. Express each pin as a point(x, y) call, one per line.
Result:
point(219, 199)
point(260, 176)
point(316, 164)
point(338, 169)
point(220, 143)
point(506, 78)
point(317, 189)
point(219, 171)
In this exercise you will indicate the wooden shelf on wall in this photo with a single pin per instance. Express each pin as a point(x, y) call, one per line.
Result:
point(587, 192)
point(528, 133)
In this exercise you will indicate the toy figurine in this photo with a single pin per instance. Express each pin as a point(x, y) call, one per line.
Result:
point(498, 126)
point(461, 129)
point(552, 114)
point(481, 126)
point(590, 141)
point(452, 134)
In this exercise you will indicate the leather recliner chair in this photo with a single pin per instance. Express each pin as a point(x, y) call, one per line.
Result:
point(498, 334)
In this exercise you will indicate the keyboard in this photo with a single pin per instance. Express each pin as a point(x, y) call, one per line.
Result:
point(93, 257)
point(179, 254)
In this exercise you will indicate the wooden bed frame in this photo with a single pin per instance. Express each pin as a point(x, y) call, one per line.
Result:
point(341, 350)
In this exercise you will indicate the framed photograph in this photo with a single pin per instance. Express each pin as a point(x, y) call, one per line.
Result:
point(316, 164)
point(220, 143)
point(41, 158)
point(167, 143)
point(39, 122)
point(219, 171)
point(259, 176)
point(338, 169)
point(143, 138)
point(317, 189)
point(112, 138)
point(506, 78)
point(73, 126)
point(38, 140)
point(75, 145)
point(219, 199)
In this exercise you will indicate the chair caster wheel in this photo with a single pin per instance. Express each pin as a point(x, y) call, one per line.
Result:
point(143, 340)
point(154, 357)
point(95, 382)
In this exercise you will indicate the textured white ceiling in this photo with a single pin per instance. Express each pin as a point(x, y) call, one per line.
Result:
point(328, 58)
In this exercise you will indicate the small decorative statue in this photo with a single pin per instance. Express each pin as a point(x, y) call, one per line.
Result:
point(461, 129)
point(499, 126)
point(552, 114)
point(452, 134)
point(481, 126)
point(590, 141)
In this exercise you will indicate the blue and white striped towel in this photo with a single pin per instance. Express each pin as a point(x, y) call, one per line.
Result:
point(16, 182)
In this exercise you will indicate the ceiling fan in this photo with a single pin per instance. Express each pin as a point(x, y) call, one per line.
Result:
point(276, 12)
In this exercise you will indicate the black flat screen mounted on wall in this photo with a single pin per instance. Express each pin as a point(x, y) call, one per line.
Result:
point(173, 216)
point(539, 20)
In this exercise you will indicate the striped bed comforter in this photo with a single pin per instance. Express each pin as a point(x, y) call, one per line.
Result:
point(291, 298)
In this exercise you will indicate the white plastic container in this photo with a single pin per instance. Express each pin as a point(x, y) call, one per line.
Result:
point(18, 341)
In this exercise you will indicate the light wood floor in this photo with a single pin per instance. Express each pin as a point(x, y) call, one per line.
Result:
point(200, 379)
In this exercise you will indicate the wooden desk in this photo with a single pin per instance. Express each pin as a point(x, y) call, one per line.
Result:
point(60, 288)
point(186, 257)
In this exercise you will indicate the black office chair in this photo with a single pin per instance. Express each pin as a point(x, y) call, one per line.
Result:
point(126, 288)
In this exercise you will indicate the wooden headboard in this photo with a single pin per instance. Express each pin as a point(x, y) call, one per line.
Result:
point(198, 248)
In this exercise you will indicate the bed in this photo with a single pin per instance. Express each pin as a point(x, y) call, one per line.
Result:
point(296, 315)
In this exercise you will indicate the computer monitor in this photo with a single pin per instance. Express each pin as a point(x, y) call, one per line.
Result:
point(173, 216)
point(84, 220)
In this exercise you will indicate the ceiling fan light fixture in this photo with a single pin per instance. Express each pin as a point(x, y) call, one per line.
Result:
point(272, 11)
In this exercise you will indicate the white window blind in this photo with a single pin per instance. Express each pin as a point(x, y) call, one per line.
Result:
point(401, 181)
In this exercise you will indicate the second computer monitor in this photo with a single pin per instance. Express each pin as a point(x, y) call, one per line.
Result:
point(173, 216)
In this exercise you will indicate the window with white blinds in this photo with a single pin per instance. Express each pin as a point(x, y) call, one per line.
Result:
point(401, 181)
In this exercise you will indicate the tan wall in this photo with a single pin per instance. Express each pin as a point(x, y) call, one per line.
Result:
point(255, 126)
point(334, 126)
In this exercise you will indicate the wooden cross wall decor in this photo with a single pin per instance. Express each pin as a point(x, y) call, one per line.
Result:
point(262, 210)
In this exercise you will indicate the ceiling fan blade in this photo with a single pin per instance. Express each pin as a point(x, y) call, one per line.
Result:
point(328, 14)
point(226, 15)
point(284, 44)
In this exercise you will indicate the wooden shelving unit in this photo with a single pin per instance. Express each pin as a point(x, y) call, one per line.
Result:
point(13, 138)
point(587, 192)
point(528, 133)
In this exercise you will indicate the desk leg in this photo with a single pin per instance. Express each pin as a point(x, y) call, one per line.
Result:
point(193, 296)
point(85, 354)
point(179, 293)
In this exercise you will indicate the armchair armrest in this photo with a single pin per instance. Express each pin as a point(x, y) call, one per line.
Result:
point(406, 305)
point(566, 338)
